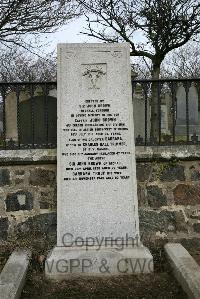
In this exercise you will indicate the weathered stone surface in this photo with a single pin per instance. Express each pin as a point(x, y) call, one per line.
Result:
point(164, 221)
point(20, 200)
point(173, 173)
point(42, 177)
point(19, 181)
point(155, 197)
point(186, 194)
point(195, 176)
point(191, 244)
point(44, 194)
point(195, 173)
point(44, 205)
point(139, 261)
point(2, 204)
point(180, 152)
point(142, 202)
point(48, 198)
point(195, 214)
point(20, 172)
point(196, 227)
point(43, 224)
point(181, 224)
point(4, 177)
point(143, 172)
point(28, 155)
point(4, 224)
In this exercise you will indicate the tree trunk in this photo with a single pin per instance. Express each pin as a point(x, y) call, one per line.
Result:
point(154, 133)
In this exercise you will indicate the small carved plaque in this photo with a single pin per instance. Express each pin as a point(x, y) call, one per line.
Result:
point(94, 74)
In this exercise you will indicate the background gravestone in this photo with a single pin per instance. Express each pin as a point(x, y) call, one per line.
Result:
point(139, 113)
point(41, 124)
point(193, 111)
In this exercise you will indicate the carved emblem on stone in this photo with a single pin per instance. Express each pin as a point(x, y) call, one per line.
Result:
point(116, 54)
point(94, 74)
point(69, 55)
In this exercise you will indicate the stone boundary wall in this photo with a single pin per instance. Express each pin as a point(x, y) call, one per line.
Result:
point(168, 193)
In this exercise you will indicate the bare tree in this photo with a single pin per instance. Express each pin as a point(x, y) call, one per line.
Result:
point(141, 66)
point(183, 62)
point(165, 25)
point(21, 17)
point(18, 65)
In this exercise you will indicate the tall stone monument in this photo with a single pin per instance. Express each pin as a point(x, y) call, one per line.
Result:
point(98, 226)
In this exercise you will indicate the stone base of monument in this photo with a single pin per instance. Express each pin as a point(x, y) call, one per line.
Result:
point(67, 263)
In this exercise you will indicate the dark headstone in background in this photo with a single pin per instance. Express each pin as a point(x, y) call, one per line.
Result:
point(42, 125)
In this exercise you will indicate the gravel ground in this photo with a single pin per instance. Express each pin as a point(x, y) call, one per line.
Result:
point(158, 285)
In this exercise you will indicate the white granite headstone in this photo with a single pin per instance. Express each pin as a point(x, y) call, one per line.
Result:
point(96, 171)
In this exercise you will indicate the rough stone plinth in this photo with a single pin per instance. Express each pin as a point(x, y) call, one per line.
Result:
point(63, 263)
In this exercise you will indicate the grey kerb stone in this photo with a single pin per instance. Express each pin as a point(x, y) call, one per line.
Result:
point(13, 275)
point(186, 270)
